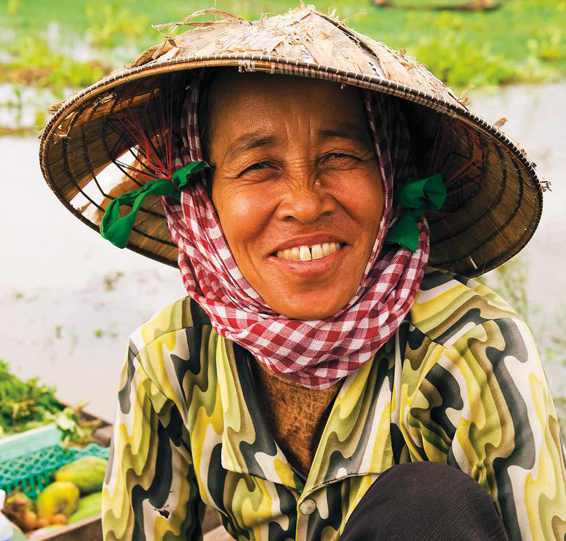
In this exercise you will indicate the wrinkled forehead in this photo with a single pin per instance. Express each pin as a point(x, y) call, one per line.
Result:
point(230, 87)
point(231, 102)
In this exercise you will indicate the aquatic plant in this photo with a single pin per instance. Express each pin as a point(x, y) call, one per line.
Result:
point(34, 62)
point(112, 24)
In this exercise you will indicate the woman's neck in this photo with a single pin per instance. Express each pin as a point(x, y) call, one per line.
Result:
point(296, 414)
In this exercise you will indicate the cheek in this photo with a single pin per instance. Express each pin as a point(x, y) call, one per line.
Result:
point(373, 206)
point(243, 215)
point(363, 201)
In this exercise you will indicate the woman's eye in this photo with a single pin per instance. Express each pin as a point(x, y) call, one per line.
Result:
point(259, 166)
point(338, 159)
point(338, 156)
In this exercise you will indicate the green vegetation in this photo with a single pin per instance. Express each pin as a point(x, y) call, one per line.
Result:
point(24, 404)
point(63, 45)
point(34, 62)
point(511, 283)
point(76, 428)
point(523, 41)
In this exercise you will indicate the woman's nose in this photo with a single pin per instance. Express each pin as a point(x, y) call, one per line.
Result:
point(305, 202)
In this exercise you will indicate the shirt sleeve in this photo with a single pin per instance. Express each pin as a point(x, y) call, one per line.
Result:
point(150, 491)
point(506, 428)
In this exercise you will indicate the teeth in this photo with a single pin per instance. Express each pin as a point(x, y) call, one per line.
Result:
point(316, 251)
point(307, 253)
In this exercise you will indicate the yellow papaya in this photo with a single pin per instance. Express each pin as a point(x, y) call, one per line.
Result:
point(58, 497)
point(87, 473)
point(89, 506)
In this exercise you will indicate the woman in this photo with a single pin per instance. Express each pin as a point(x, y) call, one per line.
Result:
point(320, 381)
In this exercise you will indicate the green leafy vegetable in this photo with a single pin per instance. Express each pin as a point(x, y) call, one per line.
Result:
point(24, 404)
point(76, 429)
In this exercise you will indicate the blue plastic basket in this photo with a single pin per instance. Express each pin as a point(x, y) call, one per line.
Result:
point(29, 441)
point(32, 471)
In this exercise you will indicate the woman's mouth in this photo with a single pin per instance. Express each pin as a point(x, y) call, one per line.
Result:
point(309, 252)
point(311, 261)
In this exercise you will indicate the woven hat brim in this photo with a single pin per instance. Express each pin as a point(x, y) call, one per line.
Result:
point(493, 213)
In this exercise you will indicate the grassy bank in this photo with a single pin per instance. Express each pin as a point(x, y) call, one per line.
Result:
point(523, 41)
point(61, 45)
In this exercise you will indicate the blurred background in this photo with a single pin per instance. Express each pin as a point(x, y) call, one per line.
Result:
point(69, 300)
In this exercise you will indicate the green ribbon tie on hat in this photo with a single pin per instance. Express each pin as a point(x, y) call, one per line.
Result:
point(117, 229)
point(416, 197)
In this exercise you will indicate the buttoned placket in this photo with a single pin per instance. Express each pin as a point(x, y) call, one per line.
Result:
point(308, 494)
point(319, 480)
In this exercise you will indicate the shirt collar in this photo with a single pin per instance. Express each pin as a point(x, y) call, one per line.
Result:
point(354, 442)
point(248, 446)
point(356, 438)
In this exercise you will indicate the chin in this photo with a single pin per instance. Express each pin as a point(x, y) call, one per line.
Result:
point(308, 310)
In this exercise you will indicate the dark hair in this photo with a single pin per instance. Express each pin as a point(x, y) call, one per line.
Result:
point(205, 133)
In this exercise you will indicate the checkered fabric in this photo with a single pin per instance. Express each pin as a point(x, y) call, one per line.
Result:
point(316, 353)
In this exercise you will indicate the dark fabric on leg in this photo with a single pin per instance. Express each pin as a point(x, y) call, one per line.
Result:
point(426, 502)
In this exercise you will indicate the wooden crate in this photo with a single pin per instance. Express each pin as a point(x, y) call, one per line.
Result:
point(90, 529)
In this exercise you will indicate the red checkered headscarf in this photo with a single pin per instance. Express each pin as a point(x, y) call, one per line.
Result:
point(316, 353)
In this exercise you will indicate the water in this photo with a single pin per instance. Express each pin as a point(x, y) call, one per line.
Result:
point(537, 119)
point(69, 300)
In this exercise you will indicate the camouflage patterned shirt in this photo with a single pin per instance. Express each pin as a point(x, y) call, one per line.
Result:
point(460, 383)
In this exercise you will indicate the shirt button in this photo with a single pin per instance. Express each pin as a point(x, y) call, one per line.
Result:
point(307, 507)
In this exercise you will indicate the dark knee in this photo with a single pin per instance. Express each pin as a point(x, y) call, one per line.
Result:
point(421, 479)
point(425, 500)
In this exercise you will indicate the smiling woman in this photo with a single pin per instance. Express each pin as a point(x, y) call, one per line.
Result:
point(335, 372)
point(305, 247)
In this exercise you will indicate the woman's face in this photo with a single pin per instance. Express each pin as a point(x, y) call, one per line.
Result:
point(296, 186)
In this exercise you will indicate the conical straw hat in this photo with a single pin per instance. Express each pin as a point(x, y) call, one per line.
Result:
point(494, 197)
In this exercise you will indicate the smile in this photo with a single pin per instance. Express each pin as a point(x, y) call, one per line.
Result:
point(309, 253)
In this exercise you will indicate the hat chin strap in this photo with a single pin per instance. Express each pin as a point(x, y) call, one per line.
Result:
point(416, 198)
point(116, 227)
